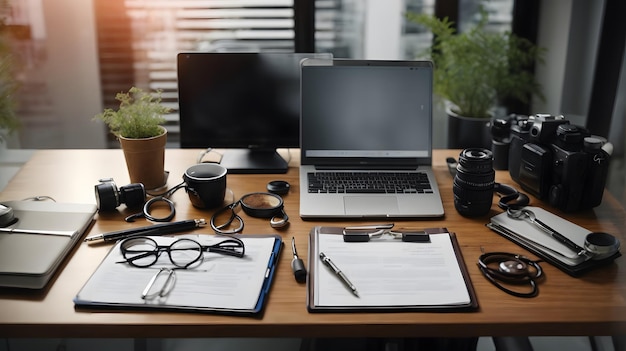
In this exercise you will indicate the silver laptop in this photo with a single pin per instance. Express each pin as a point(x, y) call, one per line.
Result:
point(366, 140)
point(44, 234)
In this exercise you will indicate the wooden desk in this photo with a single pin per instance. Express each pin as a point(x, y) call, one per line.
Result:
point(592, 305)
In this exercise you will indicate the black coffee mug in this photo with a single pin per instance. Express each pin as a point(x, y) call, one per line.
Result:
point(206, 184)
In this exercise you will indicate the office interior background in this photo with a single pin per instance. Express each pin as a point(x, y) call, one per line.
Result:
point(75, 55)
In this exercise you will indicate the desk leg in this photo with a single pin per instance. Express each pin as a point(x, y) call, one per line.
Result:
point(510, 343)
point(147, 345)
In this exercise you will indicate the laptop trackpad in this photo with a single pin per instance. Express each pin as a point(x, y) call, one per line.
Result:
point(370, 205)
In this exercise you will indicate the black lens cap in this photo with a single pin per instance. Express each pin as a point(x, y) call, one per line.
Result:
point(279, 187)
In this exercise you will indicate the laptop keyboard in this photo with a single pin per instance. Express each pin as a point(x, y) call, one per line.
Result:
point(369, 182)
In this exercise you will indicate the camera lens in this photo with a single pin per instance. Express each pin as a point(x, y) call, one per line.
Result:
point(106, 196)
point(474, 182)
point(134, 195)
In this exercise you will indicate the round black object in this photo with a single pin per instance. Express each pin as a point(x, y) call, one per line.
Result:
point(601, 245)
point(261, 205)
point(474, 182)
point(279, 187)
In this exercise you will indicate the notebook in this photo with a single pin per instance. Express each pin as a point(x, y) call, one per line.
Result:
point(363, 118)
point(30, 260)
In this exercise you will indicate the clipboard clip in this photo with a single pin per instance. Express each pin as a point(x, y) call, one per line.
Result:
point(368, 232)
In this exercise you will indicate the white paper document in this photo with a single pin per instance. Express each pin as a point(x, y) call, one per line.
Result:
point(219, 282)
point(390, 272)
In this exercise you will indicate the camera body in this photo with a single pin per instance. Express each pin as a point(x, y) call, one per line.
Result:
point(559, 162)
point(501, 138)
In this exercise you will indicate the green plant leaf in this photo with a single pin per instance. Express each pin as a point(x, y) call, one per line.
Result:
point(476, 69)
point(140, 114)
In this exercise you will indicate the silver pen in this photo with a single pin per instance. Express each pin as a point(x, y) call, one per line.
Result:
point(326, 260)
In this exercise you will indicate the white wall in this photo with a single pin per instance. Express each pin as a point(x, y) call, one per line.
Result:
point(553, 35)
point(383, 27)
point(569, 30)
point(71, 74)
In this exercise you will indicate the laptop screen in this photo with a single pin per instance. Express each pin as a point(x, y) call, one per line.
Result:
point(366, 112)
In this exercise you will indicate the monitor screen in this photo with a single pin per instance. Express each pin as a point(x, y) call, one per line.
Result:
point(244, 101)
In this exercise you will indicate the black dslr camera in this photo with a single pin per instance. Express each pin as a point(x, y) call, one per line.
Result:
point(558, 161)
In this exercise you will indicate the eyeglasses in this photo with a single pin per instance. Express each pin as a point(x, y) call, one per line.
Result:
point(144, 251)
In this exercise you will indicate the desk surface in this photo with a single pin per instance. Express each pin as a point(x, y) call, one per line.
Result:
point(592, 305)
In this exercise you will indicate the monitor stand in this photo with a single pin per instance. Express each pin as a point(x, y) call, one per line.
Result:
point(239, 161)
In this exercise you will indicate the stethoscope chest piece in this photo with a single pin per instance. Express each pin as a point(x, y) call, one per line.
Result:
point(260, 205)
point(601, 245)
point(265, 205)
point(513, 267)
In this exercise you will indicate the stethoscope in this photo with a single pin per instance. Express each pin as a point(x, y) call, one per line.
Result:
point(502, 268)
point(259, 205)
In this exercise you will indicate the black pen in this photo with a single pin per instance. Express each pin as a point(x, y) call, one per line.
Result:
point(155, 229)
point(339, 273)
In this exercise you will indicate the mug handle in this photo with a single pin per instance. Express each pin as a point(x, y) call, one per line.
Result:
point(194, 197)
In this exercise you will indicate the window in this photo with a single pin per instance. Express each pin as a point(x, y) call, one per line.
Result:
point(136, 42)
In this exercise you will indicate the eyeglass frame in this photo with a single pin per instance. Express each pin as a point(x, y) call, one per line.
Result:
point(159, 249)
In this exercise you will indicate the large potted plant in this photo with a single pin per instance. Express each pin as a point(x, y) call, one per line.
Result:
point(475, 71)
point(138, 126)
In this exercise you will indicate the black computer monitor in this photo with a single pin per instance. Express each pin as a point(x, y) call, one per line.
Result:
point(246, 103)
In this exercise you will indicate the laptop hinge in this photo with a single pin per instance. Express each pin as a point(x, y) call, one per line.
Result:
point(367, 167)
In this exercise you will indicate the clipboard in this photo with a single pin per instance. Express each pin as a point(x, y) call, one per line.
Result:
point(262, 253)
point(462, 300)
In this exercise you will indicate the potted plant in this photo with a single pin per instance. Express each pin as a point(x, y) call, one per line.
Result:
point(475, 71)
point(138, 126)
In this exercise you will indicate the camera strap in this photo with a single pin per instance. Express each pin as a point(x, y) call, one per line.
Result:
point(147, 207)
point(510, 198)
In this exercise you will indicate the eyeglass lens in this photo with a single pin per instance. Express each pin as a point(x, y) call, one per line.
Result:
point(144, 252)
